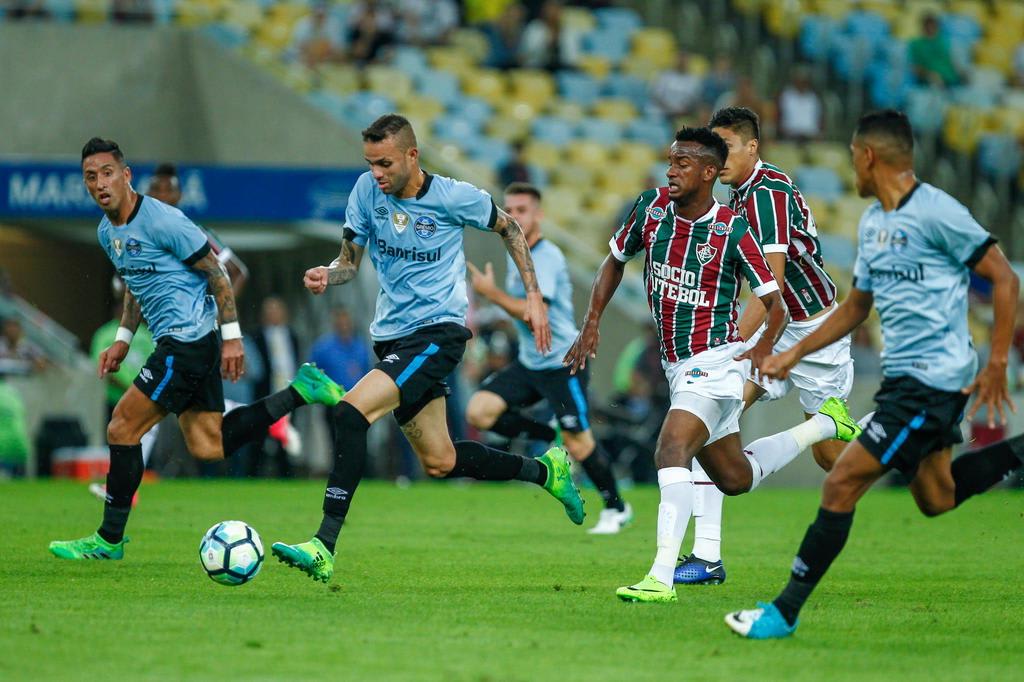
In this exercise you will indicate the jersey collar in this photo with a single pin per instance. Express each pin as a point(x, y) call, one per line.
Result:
point(707, 216)
point(750, 180)
point(427, 179)
point(906, 197)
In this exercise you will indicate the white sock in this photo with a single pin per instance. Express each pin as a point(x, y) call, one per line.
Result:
point(774, 452)
point(673, 516)
point(148, 442)
point(707, 516)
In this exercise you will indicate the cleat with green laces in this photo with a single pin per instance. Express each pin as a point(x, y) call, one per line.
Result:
point(312, 558)
point(650, 589)
point(847, 428)
point(561, 485)
point(90, 547)
point(316, 387)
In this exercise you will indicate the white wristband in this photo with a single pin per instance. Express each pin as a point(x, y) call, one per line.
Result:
point(230, 330)
point(124, 334)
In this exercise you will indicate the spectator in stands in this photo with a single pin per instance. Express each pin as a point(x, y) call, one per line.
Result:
point(342, 354)
point(426, 22)
point(516, 168)
point(547, 43)
point(15, 347)
point(27, 9)
point(801, 112)
point(745, 94)
point(372, 26)
point(504, 35)
point(930, 56)
point(131, 11)
point(319, 36)
point(677, 91)
point(720, 80)
point(278, 349)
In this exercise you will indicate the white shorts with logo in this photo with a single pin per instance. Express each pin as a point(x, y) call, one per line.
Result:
point(823, 374)
point(710, 386)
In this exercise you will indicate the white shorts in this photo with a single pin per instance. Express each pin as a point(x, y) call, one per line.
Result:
point(823, 374)
point(710, 386)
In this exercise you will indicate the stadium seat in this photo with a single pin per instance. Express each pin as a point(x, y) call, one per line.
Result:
point(452, 59)
point(226, 35)
point(588, 152)
point(441, 85)
point(61, 10)
point(622, 181)
point(635, 154)
point(411, 60)
point(621, 19)
point(389, 81)
point(543, 155)
point(472, 108)
point(578, 87)
point(552, 130)
point(610, 44)
point(654, 132)
point(600, 130)
point(422, 107)
point(329, 102)
point(868, 25)
point(657, 45)
point(962, 127)
point(488, 84)
point(456, 129)
point(819, 181)
point(850, 56)
point(577, 175)
point(243, 15)
point(815, 38)
point(531, 85)
point(578, 19)
point(563, 204)
point(595, 66)
point(621, 111)
point(488, 151)
point(472, 43)
point(999, 156)
point(564, 109)
point(926, 109)
point(362, 108)
point(507, 128)
point(625, 86)
point(339, 79)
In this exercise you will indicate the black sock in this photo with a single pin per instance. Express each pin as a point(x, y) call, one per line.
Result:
point(822, 543)
point(349, 464)
point(598, 468)
point(249, 423)
point(123, 480)
point(512, 424)
point(976, 472)
point(476, 460)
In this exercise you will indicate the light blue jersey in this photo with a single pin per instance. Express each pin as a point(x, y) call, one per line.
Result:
point(153, 253)
point(416, 247)
point(916, 259)
point(556, 288)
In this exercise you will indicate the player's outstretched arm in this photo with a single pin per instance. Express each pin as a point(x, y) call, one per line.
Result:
point(585, 346)
point(777, 315)
point(232, 354)
point(847, 317)
point(342, 269)
point(131, 317)
point(990, 384)
point(484, 285)
point(536, 315)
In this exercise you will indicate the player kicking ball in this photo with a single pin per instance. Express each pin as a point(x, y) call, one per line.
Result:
point(533, 376)
point(782, 221)
point(696, 250)
point(412, 223)
point(168, 268)
point(917, 246)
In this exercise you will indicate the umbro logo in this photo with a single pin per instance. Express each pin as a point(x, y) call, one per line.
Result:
point(146, 375)
point(336, 493)
point(876, 432)
point(799, 567)
point(391, 358)
point(381, 211)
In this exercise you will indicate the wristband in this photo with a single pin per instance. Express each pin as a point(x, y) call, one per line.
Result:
point(230, 330)
point(124, 334)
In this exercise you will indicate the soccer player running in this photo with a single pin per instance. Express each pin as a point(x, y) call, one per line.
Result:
point(412, 224)
point(916, 248)
point(696, 250)
point(533, 376)
point(781, 220)
point(168, 267)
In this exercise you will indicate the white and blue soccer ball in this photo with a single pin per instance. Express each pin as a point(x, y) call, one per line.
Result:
point(231, 553)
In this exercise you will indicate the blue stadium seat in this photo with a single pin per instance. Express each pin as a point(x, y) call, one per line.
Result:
point(600, 130)
point(330, 102)
point(555, 131)
point(926, 109)
point(819, 181)
point(363, 108)
point(999, 156)
point(624, 86)
point(488, 150)
point(472, 108)
point(61, 10)
point(888, 85)
point(850, 56)
point(611, 44)
point(225, 35)
point(453, 128)
point(618, 19)
point(410, 59)
point(816, 36)
point(578, 87)
point(441, 85)
point(653, 131)
point(868, 25)
point(961, 28)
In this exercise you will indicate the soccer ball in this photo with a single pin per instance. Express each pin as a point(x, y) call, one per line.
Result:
point(231, 553)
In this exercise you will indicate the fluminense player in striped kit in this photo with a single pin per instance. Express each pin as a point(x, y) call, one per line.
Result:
point(782, 221)
point(696, 250)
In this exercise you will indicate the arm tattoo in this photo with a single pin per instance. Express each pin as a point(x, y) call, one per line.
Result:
point(518, 249)
point(132, 314)
point(346, 265)
point(220, 286)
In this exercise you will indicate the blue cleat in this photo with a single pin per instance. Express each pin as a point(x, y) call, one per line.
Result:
point(764, 622)
point(693, 570)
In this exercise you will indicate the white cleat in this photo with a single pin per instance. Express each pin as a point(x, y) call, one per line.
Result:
point(612, 521)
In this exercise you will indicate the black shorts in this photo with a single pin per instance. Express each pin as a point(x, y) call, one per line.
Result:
point(566, 393)
point(912, 421)
point(418, 364)
point(182, 375)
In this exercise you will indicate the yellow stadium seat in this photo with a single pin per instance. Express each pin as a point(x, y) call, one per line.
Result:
point(783, 19)
point(574, 174)
point(570, 111)
point(92, 11)
point(578, 19)
point(543, 155)
point(478, 173)
point(517, 109)
point(389, 81)
point(487, 84)
point(288, 12)
point(260, 54)
point(588, 153)
point(846, 213)
point(835, 9)
point(507, 128)
point(785, 155)
point(595, 65)
point(1007, 120)
point(635, 154)
point(563, 204)
point(655, 44)
point(607, 204)
point(615, 109)
point(196, 13)
point(624, 181)
point(298, 77)
point(276, 34)
point(640, 67)
point(972, 8)
point(471, 42)
point(421, 106)
point(451, 58)
point(341, 79)
point(245, 15)
point(822, 213)
point(531, 84)
point(748, 7)
point(994, 55)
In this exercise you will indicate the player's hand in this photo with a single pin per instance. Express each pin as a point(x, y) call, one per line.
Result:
point(112, 357)
point(778, 366)
point(536, 318)
point(483, 282)
point(757, 354)
point(992, 392)
point(232, 360)
point(316, 280)
point(585, 346)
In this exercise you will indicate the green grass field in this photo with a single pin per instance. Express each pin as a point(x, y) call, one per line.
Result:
point(491, 582)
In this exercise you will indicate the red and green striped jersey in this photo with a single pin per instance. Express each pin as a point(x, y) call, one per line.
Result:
point(692, 271)
point(781, 219)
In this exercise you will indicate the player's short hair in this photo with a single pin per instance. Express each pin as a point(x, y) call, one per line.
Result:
point(524, 188)
point(391, 125)
point(98, 145)
point(166, 170)
point(717, 150)
point(891, 130)
point(741, 120)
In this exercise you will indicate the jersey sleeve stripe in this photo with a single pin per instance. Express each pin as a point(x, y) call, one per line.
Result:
point(198, 255)
point(775, 248)
point(617, 252)
point(766, 288)
point(980, 252)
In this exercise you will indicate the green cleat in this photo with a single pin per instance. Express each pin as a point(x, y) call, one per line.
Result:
point(650, 589)
point(312, 558)
point(560, 483)
point(316, 387)
point(91, 547)
point(847, 429)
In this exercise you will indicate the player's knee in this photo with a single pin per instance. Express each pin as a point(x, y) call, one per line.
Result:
point(120, 431)
point(734, 483)
point(580, 445)
point(672, 455)
point(931, 507)
point(480, 416)
point(207, 449)
point(439, 464)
